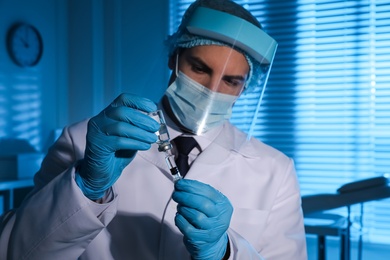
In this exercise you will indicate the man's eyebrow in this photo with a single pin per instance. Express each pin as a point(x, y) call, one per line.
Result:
point(193, 59)
point(235, 77)
point(198, 61)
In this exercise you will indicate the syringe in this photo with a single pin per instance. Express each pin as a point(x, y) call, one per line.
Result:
point(164, 144)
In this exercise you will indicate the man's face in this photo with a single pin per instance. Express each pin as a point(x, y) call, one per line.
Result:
point(218, 68)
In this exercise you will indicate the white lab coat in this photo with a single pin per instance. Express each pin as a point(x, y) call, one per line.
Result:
point(136, 218)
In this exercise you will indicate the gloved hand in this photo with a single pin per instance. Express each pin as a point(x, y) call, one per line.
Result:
point(113, 138)
point(203, 216)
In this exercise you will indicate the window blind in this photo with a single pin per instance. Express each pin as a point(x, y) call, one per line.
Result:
point(327, 101)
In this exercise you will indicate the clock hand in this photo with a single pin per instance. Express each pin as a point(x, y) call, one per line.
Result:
point(25, 44)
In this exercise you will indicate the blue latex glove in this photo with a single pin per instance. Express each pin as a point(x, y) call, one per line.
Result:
point(203, 216)
point(114, 136)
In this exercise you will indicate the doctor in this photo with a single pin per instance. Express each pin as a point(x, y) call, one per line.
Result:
point(104, 190)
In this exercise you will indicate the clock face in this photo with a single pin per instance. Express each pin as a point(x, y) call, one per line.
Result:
point(24, 45)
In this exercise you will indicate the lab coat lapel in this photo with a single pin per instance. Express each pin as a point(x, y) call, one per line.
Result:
point(216, 153)
point(156, 158)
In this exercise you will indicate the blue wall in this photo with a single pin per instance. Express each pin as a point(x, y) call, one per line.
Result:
point(93, 51)
point(30, 99)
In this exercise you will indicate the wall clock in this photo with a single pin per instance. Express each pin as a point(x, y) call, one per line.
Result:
point(24, 43)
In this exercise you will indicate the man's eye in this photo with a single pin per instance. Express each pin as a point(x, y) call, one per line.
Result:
point(198, 69)
point(234, 82)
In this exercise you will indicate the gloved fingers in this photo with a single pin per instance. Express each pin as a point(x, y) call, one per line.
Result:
point(189, 231)
point(133, 101)
point(196, 234)
point(201, 196)
point(195, 201)
point(113, 136)
point(196, 218)
point(199, 188)
point(133, 117)
point(183, 225)
point(123, 143)
point(122, 129)
point(200, 221)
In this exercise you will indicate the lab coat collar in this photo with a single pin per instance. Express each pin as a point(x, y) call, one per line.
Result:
point(226, 136)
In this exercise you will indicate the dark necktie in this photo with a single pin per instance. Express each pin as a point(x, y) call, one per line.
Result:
point(184, 145)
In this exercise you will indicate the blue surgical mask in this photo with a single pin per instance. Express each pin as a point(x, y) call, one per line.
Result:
point(196, 107)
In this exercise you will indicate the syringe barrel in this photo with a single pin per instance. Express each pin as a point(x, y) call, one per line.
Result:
point(172, 166)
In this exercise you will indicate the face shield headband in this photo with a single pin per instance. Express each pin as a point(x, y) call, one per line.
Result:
point(231, 29)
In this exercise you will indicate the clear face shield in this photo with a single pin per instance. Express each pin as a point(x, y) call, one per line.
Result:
point(200, 102)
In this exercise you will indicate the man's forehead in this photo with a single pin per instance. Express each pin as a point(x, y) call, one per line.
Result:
point(216, 54)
